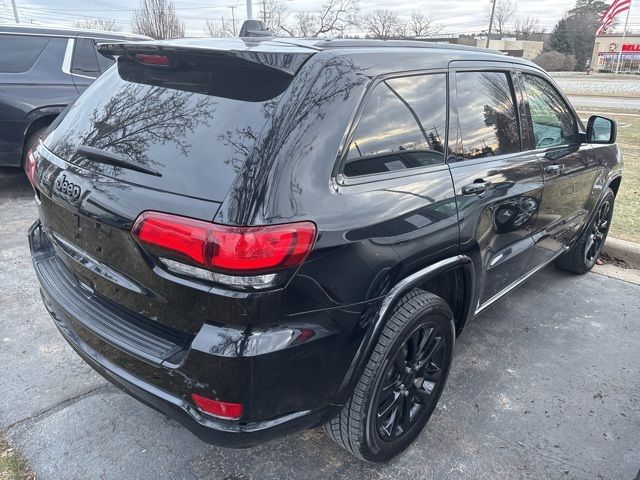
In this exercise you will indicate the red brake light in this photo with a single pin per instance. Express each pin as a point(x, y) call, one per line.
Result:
point(158, 60)
point(30, 167)
point(227, 248)
point(219, 409)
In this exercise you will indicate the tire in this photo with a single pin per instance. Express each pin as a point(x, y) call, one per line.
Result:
point(582, 256)
point(419, 317)
point(31, 142)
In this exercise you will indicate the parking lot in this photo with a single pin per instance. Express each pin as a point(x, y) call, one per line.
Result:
point(544, 384)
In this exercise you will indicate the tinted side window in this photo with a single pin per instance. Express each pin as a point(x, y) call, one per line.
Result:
point(103, 61)
point(84, 58)
point(19, 52)
point(553, 123)
point(487, 115)
point(402, 126)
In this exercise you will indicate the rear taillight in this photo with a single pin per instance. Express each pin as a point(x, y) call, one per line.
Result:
point(231, 411)
point(224, 248)
point(30, 167)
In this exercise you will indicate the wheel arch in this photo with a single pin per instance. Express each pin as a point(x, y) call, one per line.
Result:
point(460, 268)
point(614, 184)
point(40, 118)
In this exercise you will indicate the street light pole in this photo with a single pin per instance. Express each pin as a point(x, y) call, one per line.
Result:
point(249, 12)
point(15, 11)
point(493, 10)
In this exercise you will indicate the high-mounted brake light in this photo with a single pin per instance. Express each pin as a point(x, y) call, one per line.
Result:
point(224, 248)
point(157, 60)
point(231, 411)
point(30, 167)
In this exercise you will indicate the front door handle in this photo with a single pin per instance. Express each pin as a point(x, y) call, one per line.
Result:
point(475, 188)
point(554, 169)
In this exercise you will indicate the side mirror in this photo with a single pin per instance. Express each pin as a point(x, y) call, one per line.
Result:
point(601, 130)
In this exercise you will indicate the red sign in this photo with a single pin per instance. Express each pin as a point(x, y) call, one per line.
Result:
point(630, 47)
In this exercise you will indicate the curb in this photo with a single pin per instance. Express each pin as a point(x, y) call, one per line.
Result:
point(628, 252)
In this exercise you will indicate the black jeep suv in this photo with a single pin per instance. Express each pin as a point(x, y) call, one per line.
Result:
point(42, 70)
point(262, 236)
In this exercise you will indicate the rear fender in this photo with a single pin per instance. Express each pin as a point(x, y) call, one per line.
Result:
point(386, 308)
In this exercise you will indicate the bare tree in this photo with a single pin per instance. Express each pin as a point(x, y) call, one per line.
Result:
point(525, 27)
point(382, 23)
point(224, 28)
point(505, 10)
point(419, 25)
point(304, 25)
point(334, 17)
point(98, 24)
point(274, 14)
point(157, 19)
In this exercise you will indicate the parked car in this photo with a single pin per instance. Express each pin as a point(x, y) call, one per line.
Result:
point(258, 236)
point(42, 70)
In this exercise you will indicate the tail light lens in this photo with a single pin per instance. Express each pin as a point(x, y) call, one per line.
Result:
point(155, 60)
point(30, 167)
point(224, 248)
point(231, 411)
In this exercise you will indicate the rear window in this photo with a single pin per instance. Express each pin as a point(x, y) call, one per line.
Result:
point(193, 134)
point(19, 52)
point(402, 126)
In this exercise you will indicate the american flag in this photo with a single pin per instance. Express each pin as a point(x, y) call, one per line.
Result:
point(609, 15)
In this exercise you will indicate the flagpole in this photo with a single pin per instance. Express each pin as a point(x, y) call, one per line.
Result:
point(624, 34)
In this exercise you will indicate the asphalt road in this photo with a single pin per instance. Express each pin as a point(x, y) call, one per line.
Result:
point(609, 102)
point(545, 384)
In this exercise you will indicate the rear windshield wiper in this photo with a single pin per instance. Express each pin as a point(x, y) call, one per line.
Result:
point(114, 159)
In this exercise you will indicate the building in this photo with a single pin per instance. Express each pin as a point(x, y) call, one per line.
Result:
point(606, 49)
point(527, 49)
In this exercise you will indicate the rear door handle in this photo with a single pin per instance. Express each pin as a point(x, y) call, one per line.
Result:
point(554, 169)
point(475, 188)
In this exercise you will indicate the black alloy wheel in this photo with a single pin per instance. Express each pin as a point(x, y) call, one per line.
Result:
point(402, 381)
point(582, 256)
point(409, 382)
point(599, 230)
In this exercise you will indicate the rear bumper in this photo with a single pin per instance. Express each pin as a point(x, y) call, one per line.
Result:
point(226, 433)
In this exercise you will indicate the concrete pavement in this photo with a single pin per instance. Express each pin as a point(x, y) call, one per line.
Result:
point(604, 102)
point(545, 384)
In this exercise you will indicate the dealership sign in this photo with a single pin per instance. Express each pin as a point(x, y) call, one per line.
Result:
point(626, 56)
point(630, 47)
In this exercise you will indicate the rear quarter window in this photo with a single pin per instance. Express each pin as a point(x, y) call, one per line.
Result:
point(85, 61)
point(19, 52)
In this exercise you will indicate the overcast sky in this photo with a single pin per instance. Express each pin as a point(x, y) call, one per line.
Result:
point(461, 16)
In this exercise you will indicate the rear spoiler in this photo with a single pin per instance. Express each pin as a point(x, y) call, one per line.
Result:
point(287, 59)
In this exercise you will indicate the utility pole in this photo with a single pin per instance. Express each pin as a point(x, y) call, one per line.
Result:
point(493, 10)
point(249, 10)
point(624, 34)
point(15, 11)
point(233, 20)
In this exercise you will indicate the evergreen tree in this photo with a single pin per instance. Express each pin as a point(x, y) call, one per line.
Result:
point(575, 33)
point(560, 39)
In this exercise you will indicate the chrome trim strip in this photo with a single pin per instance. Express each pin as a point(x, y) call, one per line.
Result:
point(68, 54)
point(83, 76)
point(518, 282)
